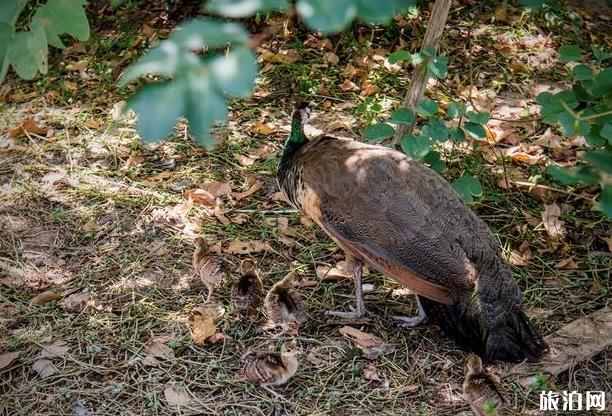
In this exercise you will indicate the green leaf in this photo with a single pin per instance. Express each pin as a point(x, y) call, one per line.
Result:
point(475, 129)
point(403, 116)
point(244, 8)
point(10, 11)
point(204, 107)
point(380, 11)
point(571, 176)
point(479, 118)
point(457, 134)
point(6, 35)
point(67, 16)
point(602, 84)
point(569, 53)
point(235, 72)
point(158, 107)
point(606, 132)
point(532, 4)
point(605, 200)
point(434, 162)
point(161, 61)
point(427, 107)
point(415, 146)
point(600, 54)
point(207, 32)
point(455, 110)
point(602, 160)
point(397, 56)
point(327, 16)
point(593, 136)
point(28, 53)
point(439, 131)
point(378, 131)
point(438, 67)
point(468, 187)
point(583, 72)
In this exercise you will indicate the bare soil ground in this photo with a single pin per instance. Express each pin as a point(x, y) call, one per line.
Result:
point(97, 221)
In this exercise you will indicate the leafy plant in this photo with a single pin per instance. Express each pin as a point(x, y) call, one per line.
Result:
point(26, 50)
point(585, 110)
point(433, 128)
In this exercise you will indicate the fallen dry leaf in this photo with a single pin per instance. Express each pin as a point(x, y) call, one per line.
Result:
point(57, 349)
point(177, 395)
point(568, 264)
point(247, 247)
point(608, 241)
point(371, 346)
point(93, 123)
point(158, 348)
point(550, 219)
point(522, 256)
point(252, 189)
point(76, 302)
point(218, 188)
point(203, 323)
point(332, 58)
point(262, 129)
point(244, 160)
point(334, 273)
point(200, 196)
point(27, 126)
point(44, 368)
point(348, 85)
point(370, 372)
point(155, 179)
point(7, 358)
point(367, 88)
point(134, 160)
point(46, 297)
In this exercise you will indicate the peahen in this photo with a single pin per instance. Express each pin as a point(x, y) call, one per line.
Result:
point(400, 217)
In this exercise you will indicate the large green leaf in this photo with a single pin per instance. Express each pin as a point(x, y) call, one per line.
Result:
point(378, 131)
point(235, 72)
point(417, 147)
point(569, 53)
point(325, 15)
point(438, 129)
point(475, 129)
point(400, 55)
point(380, 11)
point(158, 106)
point(571, 176)
point(207, 32)
point(161, 61)
point(602, 160)
point(602, 84)
point(402, 116)
point(434, 161)
point(427, 107)
point(583, 72)
point(479, 118)
point(455, 110)
point(244, 8)
point(468, 187)
point(68, 16)
point(6, 35)
point(28, 52)
point(10, 11)
point(204, 107)
point(438, 67)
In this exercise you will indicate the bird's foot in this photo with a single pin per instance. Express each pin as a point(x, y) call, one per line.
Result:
point(410, 321)
point(354, 314)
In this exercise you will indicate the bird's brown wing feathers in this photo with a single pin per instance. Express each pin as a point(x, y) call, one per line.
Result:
point(397, 215)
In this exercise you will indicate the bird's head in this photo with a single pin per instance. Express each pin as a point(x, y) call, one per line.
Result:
point(290, 348)
point(301, 112)
point(473, 364)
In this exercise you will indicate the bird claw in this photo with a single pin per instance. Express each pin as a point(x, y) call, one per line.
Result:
point(354, 314)
point(410, 321)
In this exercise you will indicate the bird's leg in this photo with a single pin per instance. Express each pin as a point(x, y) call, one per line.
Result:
point(359, 310)
point(412, 321)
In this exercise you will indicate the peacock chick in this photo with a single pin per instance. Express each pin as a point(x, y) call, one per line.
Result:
point(481, 389)
point(247, 292)
point(272, 369)
point(284, 306)
point(207, 266)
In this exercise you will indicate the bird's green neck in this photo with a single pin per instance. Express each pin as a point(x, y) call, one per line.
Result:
point(297, 138)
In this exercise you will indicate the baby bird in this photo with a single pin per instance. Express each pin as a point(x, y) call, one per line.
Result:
point(481, 389)
point(247, 291)
point(272, 369)
point(207, 266)
point(284, 306)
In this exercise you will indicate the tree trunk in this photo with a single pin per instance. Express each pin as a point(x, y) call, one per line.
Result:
point(420, 76)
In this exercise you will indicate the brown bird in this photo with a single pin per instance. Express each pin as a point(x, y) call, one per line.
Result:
point(481, 389)
point(400, 217)
point(247, 292)
point(284, 306)
point(207, 266)
point(272, 369)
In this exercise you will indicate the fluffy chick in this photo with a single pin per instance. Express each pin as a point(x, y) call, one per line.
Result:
point(284, 306)
point(207, 266)
point(481, 389)
point(247, 292)
point(272, 369)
